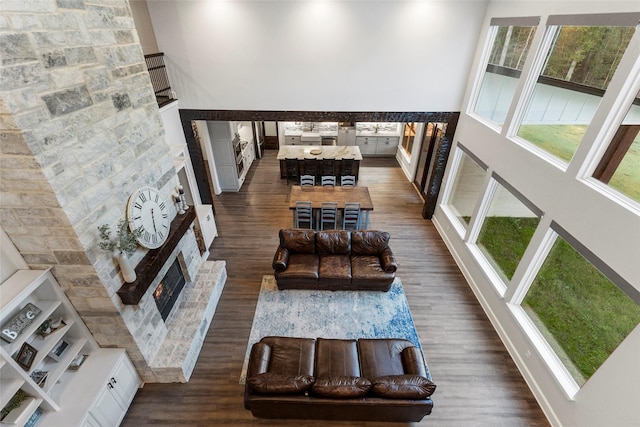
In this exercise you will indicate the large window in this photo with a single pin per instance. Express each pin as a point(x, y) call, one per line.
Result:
point(511, 42)
point(620, 165)
point(467, 187)
point(580, 311)
point(581, 61)
point(506, 230)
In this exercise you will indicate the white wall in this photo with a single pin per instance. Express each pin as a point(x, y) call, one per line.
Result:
point(318, 55)
point(608, 228)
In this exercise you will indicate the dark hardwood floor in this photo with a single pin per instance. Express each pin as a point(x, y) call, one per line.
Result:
point(478, 384)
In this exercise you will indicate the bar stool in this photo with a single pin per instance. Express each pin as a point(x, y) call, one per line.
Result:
point(311, 167)
point(346, 167)
point(292, 170)
point(328, 167)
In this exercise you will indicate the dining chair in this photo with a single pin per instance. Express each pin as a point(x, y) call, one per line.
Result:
point(307, 180)
point(292, 170)
point(351, 216)
point(329, 215)
point(328, 181)
point(303, 215)
point(348, 181)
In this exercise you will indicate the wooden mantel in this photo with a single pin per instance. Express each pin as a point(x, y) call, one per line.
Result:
point(149, 267)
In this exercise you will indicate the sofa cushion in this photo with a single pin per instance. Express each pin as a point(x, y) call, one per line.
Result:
point(270, 383)
point(335, 271)
point(368, 242)
point(341, 387)
point(403, 387)
point(298, 240)
point(367, 269)
point(381, 357)
point(333, 242)
point(291, 356)
point(337, 358)
point(300, 266)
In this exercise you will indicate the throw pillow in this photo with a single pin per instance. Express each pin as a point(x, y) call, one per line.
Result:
point(341, 387)
point(403, 387)
point(269, 383)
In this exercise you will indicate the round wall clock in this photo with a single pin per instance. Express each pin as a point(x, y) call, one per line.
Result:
point(147, 211)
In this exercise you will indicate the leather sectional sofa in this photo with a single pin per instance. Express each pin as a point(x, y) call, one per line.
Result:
point(338, 379)
point(334, 260)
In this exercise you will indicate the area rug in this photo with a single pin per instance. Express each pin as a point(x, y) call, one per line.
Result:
point(327, 314)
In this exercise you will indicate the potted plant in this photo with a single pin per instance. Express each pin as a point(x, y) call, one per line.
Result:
point(122, 246)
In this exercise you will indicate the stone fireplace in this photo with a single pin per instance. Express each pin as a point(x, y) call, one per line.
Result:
point(82, 130)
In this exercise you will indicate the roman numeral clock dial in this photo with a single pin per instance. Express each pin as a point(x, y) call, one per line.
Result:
point(147, 211)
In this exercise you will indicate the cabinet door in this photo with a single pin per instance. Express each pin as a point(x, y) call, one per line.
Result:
point(125, 381)
point(387, 146)
point(367, 145)
point(107, 411)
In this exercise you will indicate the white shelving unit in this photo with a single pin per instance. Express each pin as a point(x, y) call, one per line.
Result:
point(67, 397)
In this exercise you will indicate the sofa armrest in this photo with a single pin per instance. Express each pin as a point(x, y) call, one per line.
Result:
point(388, 261)
point(412, 362)
point(280, 259)
point(259, 359)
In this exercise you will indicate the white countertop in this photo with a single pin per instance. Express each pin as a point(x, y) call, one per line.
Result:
point(383, 133)
point(327, 152)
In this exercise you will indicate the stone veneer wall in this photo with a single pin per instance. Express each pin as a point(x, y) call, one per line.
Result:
point(80, 131)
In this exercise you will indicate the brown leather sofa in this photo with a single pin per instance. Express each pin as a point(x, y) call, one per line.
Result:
point(334, 260)
point(338, 379)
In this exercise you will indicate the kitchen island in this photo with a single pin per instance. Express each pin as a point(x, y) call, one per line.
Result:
point(319, 153)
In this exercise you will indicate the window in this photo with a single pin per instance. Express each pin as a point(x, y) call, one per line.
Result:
point(620, 165)
point(506, 230)
point(580, 311)
point(408, 136)
point(511, 43)
point(582, 58)
point(467, 186)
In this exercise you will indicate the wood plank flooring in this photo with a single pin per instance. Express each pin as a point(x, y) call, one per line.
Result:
point(478, 384)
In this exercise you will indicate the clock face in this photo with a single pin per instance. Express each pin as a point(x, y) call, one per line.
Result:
point(148, 212)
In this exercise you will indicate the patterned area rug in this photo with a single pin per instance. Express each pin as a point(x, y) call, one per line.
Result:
point(327, 314)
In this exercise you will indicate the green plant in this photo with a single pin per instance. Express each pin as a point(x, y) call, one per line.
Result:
point(125, 241)
point(14, 403)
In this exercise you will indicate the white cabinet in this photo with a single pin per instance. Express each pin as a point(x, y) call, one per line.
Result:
point(232, 155)
point(387, 145)
point(378, 145)
point(66, 395)
point(292, 139)
point(116, 395)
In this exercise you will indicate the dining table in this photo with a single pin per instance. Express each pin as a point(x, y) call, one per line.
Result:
point(318, 194)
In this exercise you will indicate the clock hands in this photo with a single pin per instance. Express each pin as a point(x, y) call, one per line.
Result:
point(153, 219)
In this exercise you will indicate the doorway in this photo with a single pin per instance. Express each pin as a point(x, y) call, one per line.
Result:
point(270, 135)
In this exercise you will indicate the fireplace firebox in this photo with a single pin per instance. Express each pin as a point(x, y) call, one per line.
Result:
point(169, 289)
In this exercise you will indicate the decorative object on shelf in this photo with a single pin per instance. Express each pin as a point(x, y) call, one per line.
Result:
point(33, 419)
point(181, 202)
point(49, 326)
point(60, 349)
point(122, 247)
point(16, 325)
point(13, 403)
point(39, 377)
point(148, 213)
point(77, 362)
point(25, 356)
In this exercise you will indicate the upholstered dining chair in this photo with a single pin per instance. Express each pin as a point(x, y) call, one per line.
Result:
point(303, 215)
point(310, 167)
point(292, 170)
point(348, 181)
point(307, 180)
point(346, 167)
point(328, 181)
point(351, 216)
point(329, 215)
